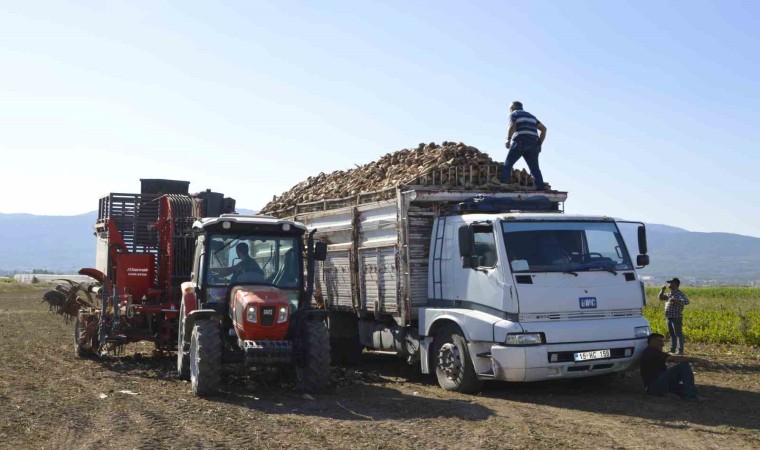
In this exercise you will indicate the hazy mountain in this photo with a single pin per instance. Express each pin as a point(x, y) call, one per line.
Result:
point(65, 243)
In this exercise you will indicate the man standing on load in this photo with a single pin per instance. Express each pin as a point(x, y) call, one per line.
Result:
point(523, 141)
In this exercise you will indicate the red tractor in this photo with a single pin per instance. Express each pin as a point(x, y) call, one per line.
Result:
point(185, 272)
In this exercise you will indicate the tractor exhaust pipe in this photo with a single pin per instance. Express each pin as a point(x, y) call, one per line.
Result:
point(306, 301)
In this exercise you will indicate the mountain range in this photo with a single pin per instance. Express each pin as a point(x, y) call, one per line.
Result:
point(66, 243)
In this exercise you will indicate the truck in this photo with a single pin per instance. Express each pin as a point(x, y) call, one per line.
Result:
point(477, 285)
point(185, 272)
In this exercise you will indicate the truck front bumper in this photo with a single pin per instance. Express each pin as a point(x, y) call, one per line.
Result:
point(552, 361)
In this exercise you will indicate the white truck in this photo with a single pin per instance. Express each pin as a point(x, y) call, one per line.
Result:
point(478, 285)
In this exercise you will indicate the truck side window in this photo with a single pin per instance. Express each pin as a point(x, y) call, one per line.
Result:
point(485, 247)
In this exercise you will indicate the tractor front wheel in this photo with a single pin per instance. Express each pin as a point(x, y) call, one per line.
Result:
point(314, 374)
point(205, 358)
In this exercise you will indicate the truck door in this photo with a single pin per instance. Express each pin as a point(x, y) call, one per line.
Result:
point(479, 281)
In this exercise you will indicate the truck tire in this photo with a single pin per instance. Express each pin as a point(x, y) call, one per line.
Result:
point(452, 362)
point(183, 358)
point(313, 376)
point(205, 358)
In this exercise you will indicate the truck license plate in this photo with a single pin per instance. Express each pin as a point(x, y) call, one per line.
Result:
point(597, 354)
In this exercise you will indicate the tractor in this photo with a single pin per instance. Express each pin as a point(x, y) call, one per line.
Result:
point(188, 274)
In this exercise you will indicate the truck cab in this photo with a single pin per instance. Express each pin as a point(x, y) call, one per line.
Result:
point(535, 295)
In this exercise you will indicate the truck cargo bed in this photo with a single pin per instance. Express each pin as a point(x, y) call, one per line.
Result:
point(379, 243)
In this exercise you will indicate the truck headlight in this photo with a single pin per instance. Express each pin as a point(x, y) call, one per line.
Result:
point(524, 339)
point(250, 314)
point(283, 315)
point(641, 332)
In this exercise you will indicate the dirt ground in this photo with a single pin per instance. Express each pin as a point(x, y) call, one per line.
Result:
point(51, 399)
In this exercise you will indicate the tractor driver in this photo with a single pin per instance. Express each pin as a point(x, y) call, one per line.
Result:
point(246, 264)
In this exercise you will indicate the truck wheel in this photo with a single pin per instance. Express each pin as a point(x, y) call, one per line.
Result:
point(183, 358)
point(314, 376)
point(205, 358)
point(453, 366)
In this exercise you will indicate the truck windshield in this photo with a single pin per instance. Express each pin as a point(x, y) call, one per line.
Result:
point(565, 246)
point(254, 259)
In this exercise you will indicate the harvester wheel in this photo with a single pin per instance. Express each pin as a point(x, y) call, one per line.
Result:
point(80, 349)
point(183, 357)
point(205, 358)
point(314, 375)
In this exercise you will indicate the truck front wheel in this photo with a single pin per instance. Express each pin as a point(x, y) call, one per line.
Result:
point(205, 358)
point(453, 366)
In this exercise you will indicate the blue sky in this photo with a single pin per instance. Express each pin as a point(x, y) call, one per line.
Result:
point(651, 107)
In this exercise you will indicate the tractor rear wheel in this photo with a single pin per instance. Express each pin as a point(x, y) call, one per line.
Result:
point(183, 357)
point(205, 358)
point(314, 375)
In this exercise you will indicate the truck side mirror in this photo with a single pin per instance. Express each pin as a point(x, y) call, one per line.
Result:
point(642, 240)
point(320, 251)
point(465, 245)
point(642, 260)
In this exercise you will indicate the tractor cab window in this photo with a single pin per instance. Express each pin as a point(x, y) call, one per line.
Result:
point(254, 259)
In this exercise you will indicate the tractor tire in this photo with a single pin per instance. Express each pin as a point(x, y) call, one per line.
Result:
point(205, 358)
point(452, 362)
point(314, 375)
point(183, 358)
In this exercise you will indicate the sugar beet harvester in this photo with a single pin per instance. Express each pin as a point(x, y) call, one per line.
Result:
point(185, 272)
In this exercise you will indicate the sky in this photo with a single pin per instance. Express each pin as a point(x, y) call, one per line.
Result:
point(651, 107)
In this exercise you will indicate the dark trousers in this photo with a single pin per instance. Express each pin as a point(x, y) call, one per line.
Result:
point(529, 150)
point(675, 329)
point(679, 379)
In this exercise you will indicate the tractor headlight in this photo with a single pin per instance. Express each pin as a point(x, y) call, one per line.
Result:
point(250, 314)
point(641, 332)
point(283, 315)
point(524, 339)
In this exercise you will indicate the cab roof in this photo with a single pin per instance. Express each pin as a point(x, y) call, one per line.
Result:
point(550, 217)
point(259, 219)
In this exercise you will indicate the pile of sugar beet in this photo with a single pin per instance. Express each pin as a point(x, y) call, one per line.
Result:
point(426, 163)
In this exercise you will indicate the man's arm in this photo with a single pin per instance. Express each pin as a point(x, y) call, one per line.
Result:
point(542, 128)
point(512, 128)
point(684, 298)
point(662, 295)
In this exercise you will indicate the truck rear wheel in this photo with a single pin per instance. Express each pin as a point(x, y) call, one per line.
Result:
point(205, 358)
point(453, 365)
point(183, 358)
point(314, 375)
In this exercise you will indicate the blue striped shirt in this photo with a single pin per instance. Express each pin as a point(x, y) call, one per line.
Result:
point(525, 124)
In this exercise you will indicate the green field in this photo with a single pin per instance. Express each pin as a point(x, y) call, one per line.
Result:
point(717, 315)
